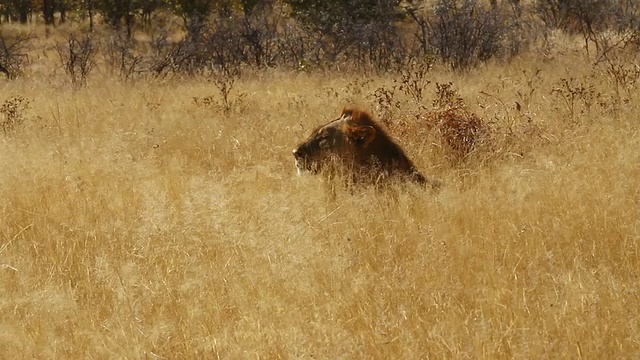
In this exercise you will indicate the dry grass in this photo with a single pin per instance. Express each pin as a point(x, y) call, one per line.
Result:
point(137, 223)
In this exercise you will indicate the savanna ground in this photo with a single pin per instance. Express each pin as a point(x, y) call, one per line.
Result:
point(141, 220)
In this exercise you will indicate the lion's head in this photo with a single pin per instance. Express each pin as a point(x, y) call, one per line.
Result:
point(355, 143)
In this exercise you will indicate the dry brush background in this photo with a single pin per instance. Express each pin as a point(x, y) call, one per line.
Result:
point(146, 219)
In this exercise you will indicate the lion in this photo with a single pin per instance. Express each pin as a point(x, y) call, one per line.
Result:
point(358, 146)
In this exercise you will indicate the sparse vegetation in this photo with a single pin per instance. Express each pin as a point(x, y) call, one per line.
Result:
point(13, 53)
point(123, 58)
point(465, 33)
point(77, 56)
point(577, 98)
point(161, 217)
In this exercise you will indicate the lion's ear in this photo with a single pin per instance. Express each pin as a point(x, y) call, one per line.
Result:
point(346, 114)
point(362, 135)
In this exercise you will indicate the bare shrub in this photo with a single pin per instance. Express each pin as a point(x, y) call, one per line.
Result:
point(590, 18)
point(167, 57)
point(622, 45)
point(466, 32)
point(261, 35)
point(187, 56)
point(623, 78)
point(224, 76)
point(13, 113)
point(268, 38)
point(224, 79)
point(388, 105)
point(293, 47)
point(576, 97)
point(212, 49)
point(13, 51)
point(225, 46)
point(345, 34)
point(225, 102)
point(374, 46)
point(417, 12)
point(518, 130)
point(585, 16)
point(122, 57)
point(78, 57)
point(414, 81)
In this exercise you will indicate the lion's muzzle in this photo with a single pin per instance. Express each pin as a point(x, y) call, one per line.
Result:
point(299, 161)
point(304, 162)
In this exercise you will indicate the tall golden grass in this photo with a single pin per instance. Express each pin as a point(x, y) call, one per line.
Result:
point(137, 222)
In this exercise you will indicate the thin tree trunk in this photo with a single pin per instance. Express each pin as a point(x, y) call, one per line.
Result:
point(48, 9)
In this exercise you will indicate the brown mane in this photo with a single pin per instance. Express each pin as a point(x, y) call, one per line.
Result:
point(358, 139)
point(387, 152)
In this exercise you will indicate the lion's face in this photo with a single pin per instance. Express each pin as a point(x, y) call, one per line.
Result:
point(339, 140)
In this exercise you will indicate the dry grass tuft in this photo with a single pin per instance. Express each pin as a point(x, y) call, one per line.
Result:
point(460, 130)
